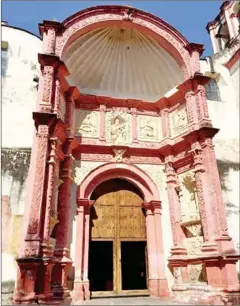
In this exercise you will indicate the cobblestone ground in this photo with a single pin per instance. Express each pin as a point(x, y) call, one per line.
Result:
point(128, 301)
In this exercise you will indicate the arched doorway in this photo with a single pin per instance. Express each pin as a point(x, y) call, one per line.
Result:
point(117, 253)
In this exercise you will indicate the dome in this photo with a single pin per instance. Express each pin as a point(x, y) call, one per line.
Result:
point(121, 63)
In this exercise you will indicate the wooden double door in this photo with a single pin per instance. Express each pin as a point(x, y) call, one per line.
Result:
point(117, 254)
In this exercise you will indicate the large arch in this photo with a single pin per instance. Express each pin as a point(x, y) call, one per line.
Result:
point(127, 172)
point(122, 16)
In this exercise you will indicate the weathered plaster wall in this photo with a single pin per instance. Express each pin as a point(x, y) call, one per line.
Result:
point(19, 92)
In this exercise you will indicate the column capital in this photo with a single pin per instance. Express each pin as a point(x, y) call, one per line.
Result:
point(152, 205)
point(85, 202)
point(192, 47)
point(49, 24)
point(49, 60)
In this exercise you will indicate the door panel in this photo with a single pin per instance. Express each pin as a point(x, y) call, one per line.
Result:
point(117, 214)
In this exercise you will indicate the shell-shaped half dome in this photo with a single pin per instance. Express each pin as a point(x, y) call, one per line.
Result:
point(121, 63)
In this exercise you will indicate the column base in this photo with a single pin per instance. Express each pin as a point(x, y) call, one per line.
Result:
point(86, 290)
point(24, 292)
point(153, 287)
point(163, 288)
point(77, 294)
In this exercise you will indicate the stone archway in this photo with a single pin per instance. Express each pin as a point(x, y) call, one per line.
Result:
point(157, 282)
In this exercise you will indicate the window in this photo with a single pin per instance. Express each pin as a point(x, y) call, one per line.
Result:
point(212, 90)
point(4, 58)
point(223, 37)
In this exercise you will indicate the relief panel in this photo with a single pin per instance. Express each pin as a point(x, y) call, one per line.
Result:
point(197, 273)
point(178, 121)
point(149, 128)
point(87, 123)
point(118, 128)
point(188, 197)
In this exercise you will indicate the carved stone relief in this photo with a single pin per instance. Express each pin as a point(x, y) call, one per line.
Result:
point(118, 128)
point(178, 121)
point(149, 128)
point(197, 273)
point(87, 123)
point(82, 169)
point(188, 196)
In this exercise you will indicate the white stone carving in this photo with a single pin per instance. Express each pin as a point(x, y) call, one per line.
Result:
point(82, 169)
point(149, 128)
point(118, 128)
point(194, 245)
point(188, 196)
point(178, 121)
point(156, 174)
point(87, 123)
point(197, 273)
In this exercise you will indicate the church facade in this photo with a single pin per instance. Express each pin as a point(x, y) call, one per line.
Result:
point(124, 192)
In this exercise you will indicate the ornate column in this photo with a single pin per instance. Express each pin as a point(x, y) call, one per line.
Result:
point(152, 252)
point(78, 293)
point(174, 207)
point(102, 122)
point(196, 51)
point(62, 251)
point(134, 124)
point(46, 93)
point(191, 109)
point(32, 242)
point(86, 250)
point(49, 224)
point(162, 281)
point(221, 270)
point(164, 112)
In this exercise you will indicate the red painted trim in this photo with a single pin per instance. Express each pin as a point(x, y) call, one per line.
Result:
point(233, 60)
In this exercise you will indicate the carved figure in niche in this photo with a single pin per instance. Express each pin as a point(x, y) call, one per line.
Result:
point(190, 184)
point(118, 130)
point(179, 120)
point(147, 129)
point(87, 125)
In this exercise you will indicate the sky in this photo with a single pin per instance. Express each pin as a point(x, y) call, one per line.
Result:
point(188, 17)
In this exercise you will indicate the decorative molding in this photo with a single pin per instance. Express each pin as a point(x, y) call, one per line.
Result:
point(149, 128)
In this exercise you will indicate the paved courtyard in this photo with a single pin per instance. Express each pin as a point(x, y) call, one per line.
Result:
point(128, 301)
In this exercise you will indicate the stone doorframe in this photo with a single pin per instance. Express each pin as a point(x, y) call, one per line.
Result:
point(157, 283)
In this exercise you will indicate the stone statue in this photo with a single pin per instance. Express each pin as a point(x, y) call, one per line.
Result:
point(118, 131)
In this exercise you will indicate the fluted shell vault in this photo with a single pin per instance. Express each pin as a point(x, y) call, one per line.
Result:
point(121, 63)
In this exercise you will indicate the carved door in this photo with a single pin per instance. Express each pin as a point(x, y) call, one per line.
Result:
point(118, 216)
